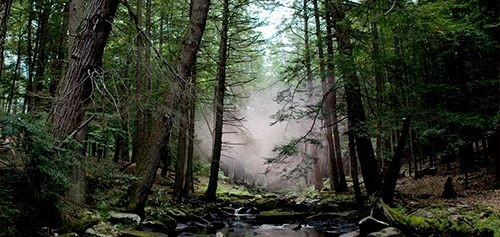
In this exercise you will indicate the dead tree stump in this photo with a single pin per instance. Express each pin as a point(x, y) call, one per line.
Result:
point(449, 191)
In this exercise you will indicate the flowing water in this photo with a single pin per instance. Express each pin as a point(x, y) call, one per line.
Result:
point(262, 231)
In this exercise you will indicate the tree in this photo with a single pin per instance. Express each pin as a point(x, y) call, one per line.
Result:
point(219, 104)
point(163, 124)
point(355, 110)
point(85, 63)
point(4, 16)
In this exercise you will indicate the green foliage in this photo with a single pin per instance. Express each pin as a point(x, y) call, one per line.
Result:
point(34, 173)
point(439, 219)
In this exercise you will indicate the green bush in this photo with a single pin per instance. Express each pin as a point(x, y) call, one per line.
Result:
point(33, 176)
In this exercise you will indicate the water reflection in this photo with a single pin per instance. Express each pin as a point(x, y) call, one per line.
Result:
point(271, 231)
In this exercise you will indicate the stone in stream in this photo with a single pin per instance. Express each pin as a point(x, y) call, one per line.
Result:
point(127, 219)
point(101, 230)
point(387, 232)
point(369, 225)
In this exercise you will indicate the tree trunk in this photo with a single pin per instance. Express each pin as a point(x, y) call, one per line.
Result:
point(319, 45)
point(329, 91)
point(143, 91)
point(180, 166)
point(74, 92)
point(4, 17)
point(311, 150)
point(189, 184)
point(161, 132)
point(36, 91)
point(219, 104)
point(76, 13)
point(12, 105)
point(354, 171)
point(392, 175)
point(355, 110)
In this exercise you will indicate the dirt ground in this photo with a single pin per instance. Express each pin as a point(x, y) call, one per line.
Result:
point(426, 191)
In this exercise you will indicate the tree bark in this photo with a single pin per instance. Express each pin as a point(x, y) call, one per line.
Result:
point(188, 184)
point(76, 14)
point(392, 175)
point(161, 132)
point(328, 92)
point(354, 171)
point(210, 193)
point(355, 110)
point(74, 92)
point(143, 90)
point(4, 17)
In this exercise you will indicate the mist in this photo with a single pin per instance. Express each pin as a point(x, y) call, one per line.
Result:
point(249, 141)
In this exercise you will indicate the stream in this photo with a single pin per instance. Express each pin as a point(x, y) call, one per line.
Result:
point(249, 225)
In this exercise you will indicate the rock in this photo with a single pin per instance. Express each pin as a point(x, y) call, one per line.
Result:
point(84, 221)
point(168, 221)
point(127, 219)
point(369, 224)
point(72, 234)
point(387, 232)
point(135, 233)
point(350, 234)
point(154, 226)
point(101, 230)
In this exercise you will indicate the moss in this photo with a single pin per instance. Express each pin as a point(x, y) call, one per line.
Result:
point(442, 220)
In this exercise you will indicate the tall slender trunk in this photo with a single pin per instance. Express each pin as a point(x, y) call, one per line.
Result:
point(322, 74)
point(219, 104)
point(392, 175)
point(354, 171)
point(188, 184)
point(161, 132)
point(4, 17)
point(329, 107)
point(180, 166)
point(12, 105)
point(355, 110)
point(143, 91)
point(311, 150)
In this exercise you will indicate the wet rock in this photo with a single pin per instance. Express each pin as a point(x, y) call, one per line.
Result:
point(154, 226)
point(84, 221)
point(72, 234)
point(126, 219)
point(369, 224)
point(387, 232)
point(168, 221)
point(239, 226)
point(350, 234)
point(135, 233)
point(101, 230)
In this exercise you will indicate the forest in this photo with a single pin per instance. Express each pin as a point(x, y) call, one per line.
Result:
point(249, 118)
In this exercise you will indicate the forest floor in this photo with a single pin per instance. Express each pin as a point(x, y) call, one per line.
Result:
point(426, 191)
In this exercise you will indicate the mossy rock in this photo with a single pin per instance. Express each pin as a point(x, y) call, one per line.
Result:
point(83, 222)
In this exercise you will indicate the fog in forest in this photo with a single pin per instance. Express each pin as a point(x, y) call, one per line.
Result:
point(247, 145)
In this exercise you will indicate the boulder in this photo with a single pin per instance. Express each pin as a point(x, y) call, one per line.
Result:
point(102, 230)
point(369, 224)
point(126, 219)
point(154, 226)
point(350, 234)
point(72, 234)
point(387, 232)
